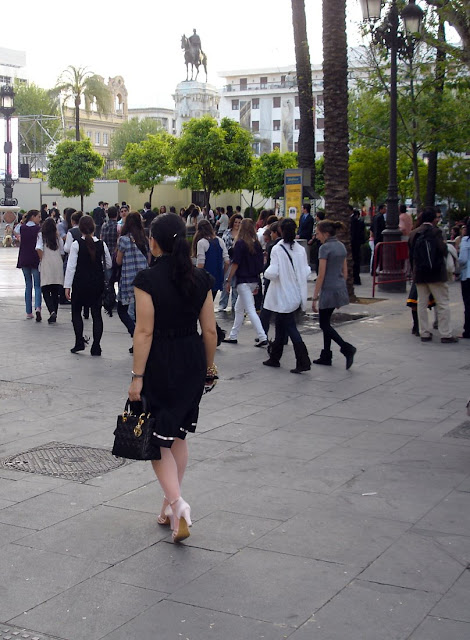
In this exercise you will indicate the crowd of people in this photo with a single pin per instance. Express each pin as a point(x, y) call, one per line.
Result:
point(169, 268)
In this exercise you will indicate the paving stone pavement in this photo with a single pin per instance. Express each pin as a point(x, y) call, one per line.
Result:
point(332, 505)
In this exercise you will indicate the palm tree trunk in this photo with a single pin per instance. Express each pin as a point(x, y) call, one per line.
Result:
point(77, 120)
point(335, 96)
point(306, 152)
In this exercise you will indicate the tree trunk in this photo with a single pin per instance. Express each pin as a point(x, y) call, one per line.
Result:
point(81, 202)
point(306, 152)
point(77, 120)
point(150, 196)
point(417, 186)
point(438, 96)
point(335, 97)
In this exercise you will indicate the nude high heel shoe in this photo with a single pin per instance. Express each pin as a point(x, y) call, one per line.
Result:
point(182, 511)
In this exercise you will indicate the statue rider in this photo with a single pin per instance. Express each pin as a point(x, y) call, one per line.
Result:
point(195, 42)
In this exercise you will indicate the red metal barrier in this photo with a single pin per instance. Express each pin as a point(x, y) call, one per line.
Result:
point(391, 259)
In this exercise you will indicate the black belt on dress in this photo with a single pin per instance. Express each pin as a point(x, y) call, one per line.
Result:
point(176, 332)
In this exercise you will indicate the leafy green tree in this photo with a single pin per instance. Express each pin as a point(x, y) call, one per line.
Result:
point(453, 182)
point(213, 157)
point(73, 167)
point(457, 14)
point(320, 176)
point(36, 135)
point(77, 83)
point(368, 174)
point(269, 171)
point(147, 163)
point(134, 130)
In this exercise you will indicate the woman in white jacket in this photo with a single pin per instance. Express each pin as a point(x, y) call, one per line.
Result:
point(287, 274)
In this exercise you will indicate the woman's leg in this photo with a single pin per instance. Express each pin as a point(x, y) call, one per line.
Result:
point(166, 471)
point(28, 292)
point(37, 288)
point(47, 295)
point(56, 292)
point(97, 323)
point(249, 304)
point(291, 328)
point(125, 318)
point(179, 450)
point(239, 313)
point(77, 320)
point(329, 333)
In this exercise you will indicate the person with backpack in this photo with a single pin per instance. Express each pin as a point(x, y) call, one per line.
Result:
point(428, 253)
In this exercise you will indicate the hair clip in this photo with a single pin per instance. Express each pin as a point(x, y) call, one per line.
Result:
point(175, 235)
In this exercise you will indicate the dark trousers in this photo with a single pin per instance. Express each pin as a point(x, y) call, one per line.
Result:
point(287, 327)
point(125, 318)
point(51, 295)
point(77, 321)
point(356, 256)
point(465, 284)
point(329, 333)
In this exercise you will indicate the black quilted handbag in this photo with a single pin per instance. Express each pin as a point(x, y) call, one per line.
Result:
point(133, 437)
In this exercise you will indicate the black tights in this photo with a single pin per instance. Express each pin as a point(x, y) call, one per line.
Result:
point(51, 294)
point(77, 321)
point(329, 333)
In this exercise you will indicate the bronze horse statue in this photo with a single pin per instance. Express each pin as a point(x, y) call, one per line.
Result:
point(194, 57)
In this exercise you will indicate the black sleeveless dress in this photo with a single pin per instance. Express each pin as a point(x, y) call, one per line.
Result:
point(88, 282)
point(176, 368)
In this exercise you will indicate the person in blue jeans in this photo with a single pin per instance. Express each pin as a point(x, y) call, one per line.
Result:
point(28, 262)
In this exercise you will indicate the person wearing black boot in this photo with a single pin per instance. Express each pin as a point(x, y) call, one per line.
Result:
point(287, 274)
point(331, 290)
point(85, 276)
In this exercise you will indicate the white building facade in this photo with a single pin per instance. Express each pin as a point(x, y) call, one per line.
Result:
point(266, 102)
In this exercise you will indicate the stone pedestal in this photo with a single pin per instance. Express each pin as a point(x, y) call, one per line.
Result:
point(194, 100)
point(8, 215)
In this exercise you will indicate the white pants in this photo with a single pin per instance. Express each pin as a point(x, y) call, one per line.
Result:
point(246, 302)
point(440, 291)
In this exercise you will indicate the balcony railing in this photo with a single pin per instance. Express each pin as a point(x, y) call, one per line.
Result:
point(257, 86)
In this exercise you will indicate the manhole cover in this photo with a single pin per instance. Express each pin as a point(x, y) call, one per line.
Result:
point(462, 431)
point(61, 460)
point(9, 632)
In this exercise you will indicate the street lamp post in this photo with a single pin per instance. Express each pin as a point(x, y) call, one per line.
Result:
point(7, 109)
point(388, 33)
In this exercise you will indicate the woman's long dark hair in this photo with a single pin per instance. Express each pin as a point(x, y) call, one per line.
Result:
point(87, 228)
point(133, 226)
point(247, 234)
point(288, 229)
point(49, 234)
point(204, 230)
point(169, 231)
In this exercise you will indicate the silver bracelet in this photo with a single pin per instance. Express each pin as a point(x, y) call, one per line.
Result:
point(137, 375)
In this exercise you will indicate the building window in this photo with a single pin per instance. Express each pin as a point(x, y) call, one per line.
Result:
point(256, 146)
point(296, 101)
point(276, 102)
point(243, 84)
point(88, 134)
point(235, 105)
point(276, 145)
point(255, 126)
point(276, 125)
point(105, 139)
point(320, 147)
point(255, 103)
point(297, 124)
point(320, 123)
point(97, 137)
point(319, 101)
point(283, 81)
point(296, 147)
point(263, 81)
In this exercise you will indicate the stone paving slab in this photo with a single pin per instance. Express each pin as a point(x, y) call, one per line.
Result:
point(321, 500)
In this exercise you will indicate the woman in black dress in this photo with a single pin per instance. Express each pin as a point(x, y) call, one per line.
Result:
point(172, 362)
point(85, 276)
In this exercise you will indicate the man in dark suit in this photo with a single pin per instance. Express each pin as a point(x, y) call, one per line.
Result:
point(305, 231)
point(99, 216)
point(357, 240)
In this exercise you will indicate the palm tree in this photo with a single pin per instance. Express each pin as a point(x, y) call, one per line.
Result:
point(335, 96)
point(78, 82)
point(306, 152)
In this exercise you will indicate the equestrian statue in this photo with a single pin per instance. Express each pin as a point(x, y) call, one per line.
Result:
point(193, 55)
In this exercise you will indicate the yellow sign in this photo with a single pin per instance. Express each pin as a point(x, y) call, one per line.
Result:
point(293, 193)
